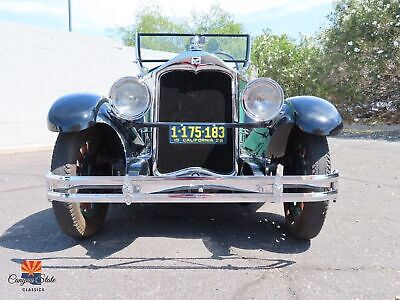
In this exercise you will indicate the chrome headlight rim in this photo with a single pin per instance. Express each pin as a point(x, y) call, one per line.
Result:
point(114, 88)
point(253, 84)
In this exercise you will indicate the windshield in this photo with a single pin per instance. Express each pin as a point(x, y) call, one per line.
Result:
point(156, 48)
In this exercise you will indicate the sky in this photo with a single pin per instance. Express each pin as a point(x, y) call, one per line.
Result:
point(102, 17)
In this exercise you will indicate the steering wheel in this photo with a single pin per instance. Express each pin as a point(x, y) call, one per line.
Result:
point(228, 55)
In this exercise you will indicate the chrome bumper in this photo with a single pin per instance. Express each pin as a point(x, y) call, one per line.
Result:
point(149, 189)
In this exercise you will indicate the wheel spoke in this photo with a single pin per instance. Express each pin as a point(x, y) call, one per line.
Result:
point(84, 167)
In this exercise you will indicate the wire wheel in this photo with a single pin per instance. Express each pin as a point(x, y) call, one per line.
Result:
point(84, 166)
point(77, 154)
point(309, 155)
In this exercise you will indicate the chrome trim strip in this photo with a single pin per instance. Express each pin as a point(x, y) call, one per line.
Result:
point(192, 198)
point(155, 189)
point(227, 125)
point(196, 69)
point(153, 184)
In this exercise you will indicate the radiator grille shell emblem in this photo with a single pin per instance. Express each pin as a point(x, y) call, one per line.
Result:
point(196, 60)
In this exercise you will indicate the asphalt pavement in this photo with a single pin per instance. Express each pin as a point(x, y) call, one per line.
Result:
point(209, 251)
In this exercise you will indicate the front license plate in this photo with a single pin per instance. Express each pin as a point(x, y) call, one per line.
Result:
point(196, 134)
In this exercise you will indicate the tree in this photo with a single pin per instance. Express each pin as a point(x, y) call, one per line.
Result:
point(296, 66)
point(362, 50)
point(150, 20)
point(216, 20)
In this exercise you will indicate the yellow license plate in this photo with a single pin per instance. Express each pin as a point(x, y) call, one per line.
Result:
point(197, 134)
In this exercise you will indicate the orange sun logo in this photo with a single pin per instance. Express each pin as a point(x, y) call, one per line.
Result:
point(31, 266)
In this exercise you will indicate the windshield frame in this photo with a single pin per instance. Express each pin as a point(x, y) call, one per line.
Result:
point(140, 61)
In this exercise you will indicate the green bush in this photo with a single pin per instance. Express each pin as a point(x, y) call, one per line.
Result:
point(354, 62)
point(295, 66)
point(362, 49)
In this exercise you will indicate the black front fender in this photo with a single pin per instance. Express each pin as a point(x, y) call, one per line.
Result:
point(75, 112)
point(310, 114)
point(315, 115)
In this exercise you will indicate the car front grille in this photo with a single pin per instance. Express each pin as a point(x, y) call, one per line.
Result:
point(187, 97)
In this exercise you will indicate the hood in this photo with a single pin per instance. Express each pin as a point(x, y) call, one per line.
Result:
point(197, 59)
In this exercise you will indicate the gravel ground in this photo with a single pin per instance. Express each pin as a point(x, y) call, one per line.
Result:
point(377, 132)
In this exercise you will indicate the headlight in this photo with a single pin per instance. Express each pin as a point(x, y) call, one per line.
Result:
point(262, 99)
point(130, 98)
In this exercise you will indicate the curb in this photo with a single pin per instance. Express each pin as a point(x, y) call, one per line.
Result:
point(26, 149)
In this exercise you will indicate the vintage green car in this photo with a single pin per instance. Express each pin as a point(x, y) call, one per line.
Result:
point(192, 128)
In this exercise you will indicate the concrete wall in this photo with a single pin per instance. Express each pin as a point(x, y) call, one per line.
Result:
point(39, 65)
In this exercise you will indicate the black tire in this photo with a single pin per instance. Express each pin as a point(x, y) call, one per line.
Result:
point(309, 155)
point(70, 217)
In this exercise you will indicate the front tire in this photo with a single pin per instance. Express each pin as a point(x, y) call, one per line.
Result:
point(74, 154)
point(309, 155)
